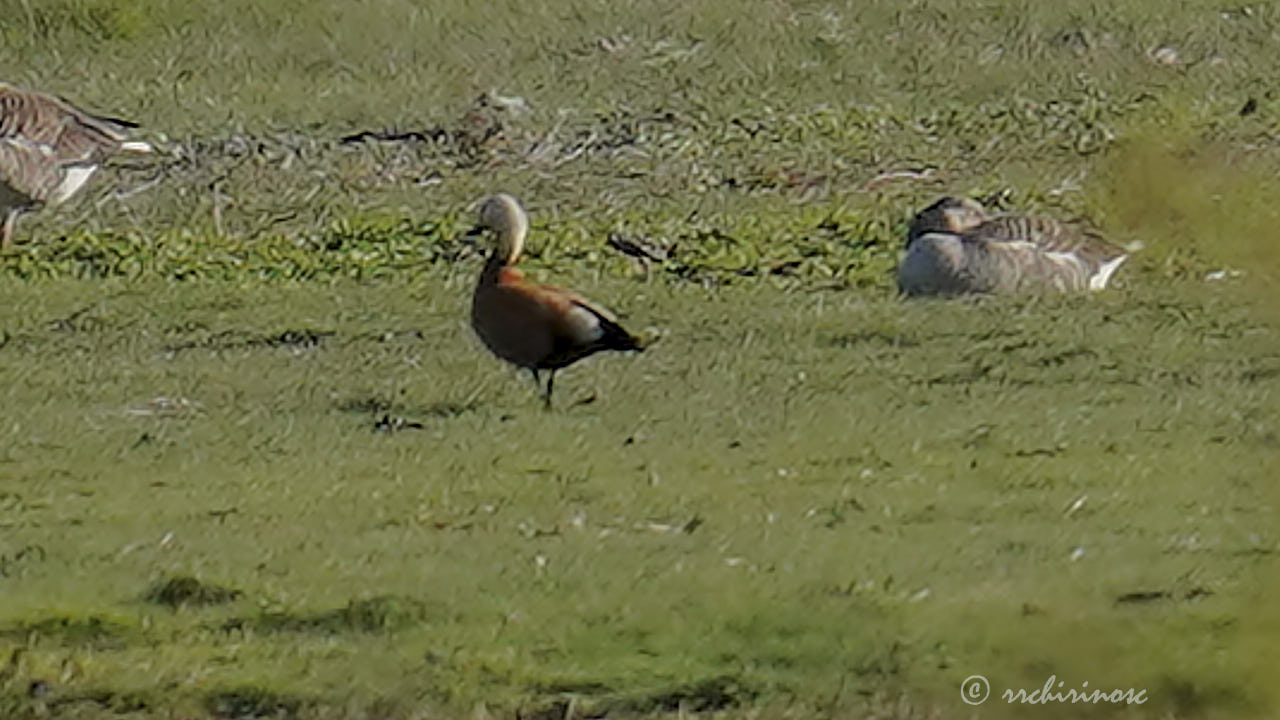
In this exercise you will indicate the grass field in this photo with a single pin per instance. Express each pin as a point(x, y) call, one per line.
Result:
point(253, 463)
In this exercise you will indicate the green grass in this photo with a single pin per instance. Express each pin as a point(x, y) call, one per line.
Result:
point(783, 498)
point(663, 119)
point(253, 463)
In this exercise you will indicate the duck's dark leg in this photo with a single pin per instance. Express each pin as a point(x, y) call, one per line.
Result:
point(551, 381)
point(537, 381)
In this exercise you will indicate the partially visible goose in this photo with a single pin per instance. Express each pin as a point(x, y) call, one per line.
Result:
point(954, 247)
point(535, 327)
point(49, 148)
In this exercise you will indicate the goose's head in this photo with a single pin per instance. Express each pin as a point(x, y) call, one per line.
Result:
point(503, 215)
point(948, 215)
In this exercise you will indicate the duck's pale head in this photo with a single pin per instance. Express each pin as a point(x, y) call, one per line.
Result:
point(948, 215)
point(503, 215)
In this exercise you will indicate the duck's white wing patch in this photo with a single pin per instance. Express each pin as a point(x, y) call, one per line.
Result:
point(584, 323)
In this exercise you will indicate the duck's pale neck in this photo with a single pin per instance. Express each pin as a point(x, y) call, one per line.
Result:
point(511, 240)
point(505, 254)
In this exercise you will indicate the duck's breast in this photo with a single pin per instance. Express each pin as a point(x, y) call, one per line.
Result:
point(513, 323)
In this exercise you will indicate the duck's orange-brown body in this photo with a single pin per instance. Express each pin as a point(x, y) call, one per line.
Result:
point(535, 327)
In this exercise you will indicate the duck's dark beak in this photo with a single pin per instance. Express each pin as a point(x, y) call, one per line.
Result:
point(476, 231)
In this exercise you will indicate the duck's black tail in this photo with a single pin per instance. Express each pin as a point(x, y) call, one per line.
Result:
point(617, 338)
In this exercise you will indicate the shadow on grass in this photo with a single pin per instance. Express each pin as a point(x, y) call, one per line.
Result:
point(294, 339)
point(384, 613)
point(248, 701)
point(90, 631)
point(877, 338)
point(1196, 697)
point(595, 699)
point(103, 700)
point(390, 416)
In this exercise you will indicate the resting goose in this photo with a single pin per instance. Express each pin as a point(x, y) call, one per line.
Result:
point(954, 247)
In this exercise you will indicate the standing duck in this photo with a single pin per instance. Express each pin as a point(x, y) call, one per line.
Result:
point(535, 327)
point(49, 149)
point(954, 247)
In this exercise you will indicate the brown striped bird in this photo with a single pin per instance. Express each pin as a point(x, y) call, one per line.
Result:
point(49, 149)
point(954, 247)
point(534, 327)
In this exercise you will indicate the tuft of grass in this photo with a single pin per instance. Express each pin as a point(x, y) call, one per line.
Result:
point(186, 591)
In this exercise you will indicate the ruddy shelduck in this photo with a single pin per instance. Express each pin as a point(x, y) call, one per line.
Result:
point(535, 327)
point(49, 149)
point(954, 247)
